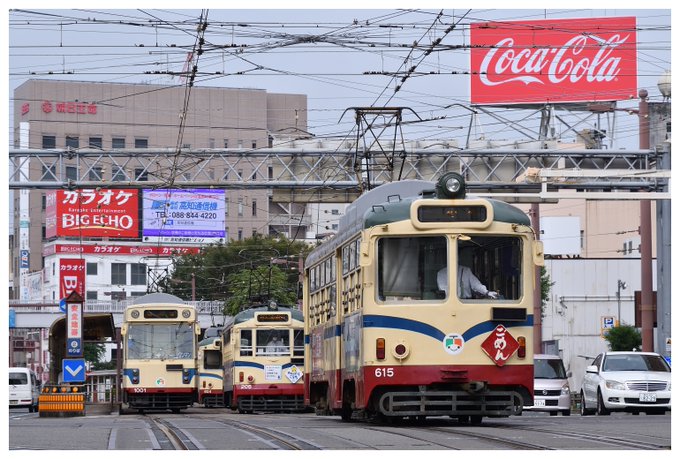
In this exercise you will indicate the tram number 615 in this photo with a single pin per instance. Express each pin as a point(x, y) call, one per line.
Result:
point(384, 372)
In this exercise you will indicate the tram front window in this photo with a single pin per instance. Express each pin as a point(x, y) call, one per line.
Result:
point(416, 268)
point(160, 341)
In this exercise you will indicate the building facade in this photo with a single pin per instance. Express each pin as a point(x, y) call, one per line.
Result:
point(109, 116)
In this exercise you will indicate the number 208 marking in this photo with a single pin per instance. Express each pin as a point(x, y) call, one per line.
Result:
point(384, 372)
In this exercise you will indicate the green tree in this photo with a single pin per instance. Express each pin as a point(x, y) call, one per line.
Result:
point(546, 284)
point(211, 272)
point(623, 338)
point(94, 353)
point(259, 285)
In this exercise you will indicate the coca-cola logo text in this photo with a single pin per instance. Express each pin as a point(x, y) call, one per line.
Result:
point(503, 63)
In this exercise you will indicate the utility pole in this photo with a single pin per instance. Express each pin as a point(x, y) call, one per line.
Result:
point(538, 301)
point(645, 239)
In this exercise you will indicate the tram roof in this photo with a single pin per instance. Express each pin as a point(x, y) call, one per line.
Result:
point(158, 298)
point(249, 313)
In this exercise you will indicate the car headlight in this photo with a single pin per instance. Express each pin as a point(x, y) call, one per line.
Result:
point(565, 389)
point(614, 385)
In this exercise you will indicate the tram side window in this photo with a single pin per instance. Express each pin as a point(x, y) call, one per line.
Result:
point(246, 343)
point(407, 267)
point(496, 261)
point(298, 343)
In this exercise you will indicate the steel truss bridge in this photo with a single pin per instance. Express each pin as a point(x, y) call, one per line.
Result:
point(334, 175)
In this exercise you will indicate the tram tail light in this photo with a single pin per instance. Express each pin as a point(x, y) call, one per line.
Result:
point(380, 348)
point(240, 376)
point(522, 350)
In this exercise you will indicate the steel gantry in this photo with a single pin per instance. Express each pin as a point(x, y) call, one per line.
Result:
point(317, 174)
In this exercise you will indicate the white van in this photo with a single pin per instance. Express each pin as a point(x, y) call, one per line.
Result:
point(24, 389)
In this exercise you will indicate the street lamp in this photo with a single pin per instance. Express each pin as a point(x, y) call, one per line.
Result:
point(621, 286)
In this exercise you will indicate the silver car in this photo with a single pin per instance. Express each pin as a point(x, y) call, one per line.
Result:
point(627, 381)
point(551, 386)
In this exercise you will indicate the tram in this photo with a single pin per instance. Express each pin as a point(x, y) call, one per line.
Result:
point(159, 338)
point(263, 356)
point(210, 373)
point(386, 337)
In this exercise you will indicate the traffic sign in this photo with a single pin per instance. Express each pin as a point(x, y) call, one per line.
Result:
point(74, 347)
point(73, 370)
point(62, 305)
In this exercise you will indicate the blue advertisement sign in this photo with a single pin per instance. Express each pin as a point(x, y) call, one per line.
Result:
point(183, 216)
point(25, 262)
point(12, 318)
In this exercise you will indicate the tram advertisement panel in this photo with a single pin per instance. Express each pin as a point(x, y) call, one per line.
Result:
point(556, 60)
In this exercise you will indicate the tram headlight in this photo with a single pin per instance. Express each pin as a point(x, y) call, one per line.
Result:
point(135, 376)
point(134, 314)
point(451, 186)
point(185, 376)
point(401, 350)
point(186, 313)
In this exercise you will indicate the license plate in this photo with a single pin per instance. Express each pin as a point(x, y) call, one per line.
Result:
point(539, 403)
point(13, 402)
point(647, 397)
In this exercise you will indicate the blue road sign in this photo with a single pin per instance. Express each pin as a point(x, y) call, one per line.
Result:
point(62, 305)
point(74, 347)
point(73, 370)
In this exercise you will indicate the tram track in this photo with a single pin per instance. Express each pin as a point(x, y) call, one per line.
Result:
point(166, 432)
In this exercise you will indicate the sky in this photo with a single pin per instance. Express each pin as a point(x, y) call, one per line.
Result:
point(358, 58)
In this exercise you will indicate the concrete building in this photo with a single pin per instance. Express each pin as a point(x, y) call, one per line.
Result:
point(52, 114)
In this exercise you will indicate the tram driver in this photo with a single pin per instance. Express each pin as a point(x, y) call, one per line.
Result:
point(467, 283)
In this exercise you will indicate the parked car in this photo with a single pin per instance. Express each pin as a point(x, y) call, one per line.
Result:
point(24, 389)
point(551, 386)
point(627, 381)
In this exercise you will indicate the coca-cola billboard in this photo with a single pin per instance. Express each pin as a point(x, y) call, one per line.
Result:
point(555, 60)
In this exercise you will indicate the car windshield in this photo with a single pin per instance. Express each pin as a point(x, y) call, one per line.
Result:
point(635, 362)
point(549, 369)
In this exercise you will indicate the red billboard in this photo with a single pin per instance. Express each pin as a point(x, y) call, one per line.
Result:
point(554, 60)
point(71, 277)
point(92, 213)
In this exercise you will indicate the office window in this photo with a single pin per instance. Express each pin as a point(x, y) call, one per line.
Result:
point(91, 269)
point(271, 172)
point(95, 142)
point(254, 144)
point(72, 141)
point(43, 201)
point(71, 173)
point(118, 274)
point(118, 142)
point(141, 143)
point(226, 143)
point(49, 174)
point(254, 208)
point(95, 174)
point(253, 176)
point(91, 295)
point(141, 175)
point(211, 143)
point(138, 274)
point(117, 173)
point(49, 141)
point(239, 172)
point(240, 234)
point(240, 208)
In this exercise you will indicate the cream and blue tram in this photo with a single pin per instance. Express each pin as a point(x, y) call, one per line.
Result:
point(385, 339)
point(159, 339)
point(263, 356)
point(210, 373)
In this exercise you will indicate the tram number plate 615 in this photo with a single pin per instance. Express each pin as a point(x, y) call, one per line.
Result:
point(382, 372)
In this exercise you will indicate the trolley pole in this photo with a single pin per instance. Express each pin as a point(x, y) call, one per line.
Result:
point(646, 310)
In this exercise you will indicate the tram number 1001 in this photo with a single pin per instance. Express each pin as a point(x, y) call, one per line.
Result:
point(384, 372)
